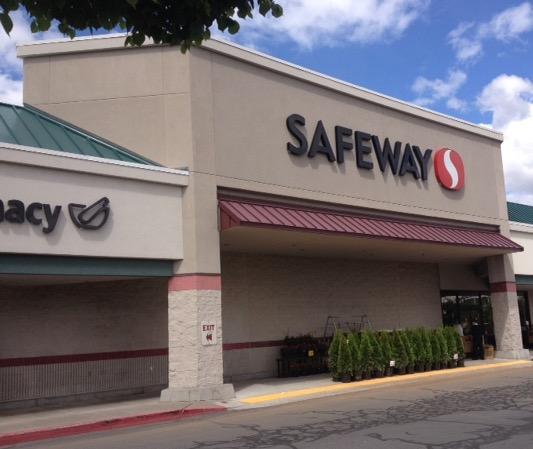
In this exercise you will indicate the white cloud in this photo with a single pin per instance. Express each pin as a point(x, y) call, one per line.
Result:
point(312, 23)
point(467, 39)
point(431, 91)
point(10, 65)
point(510, 100)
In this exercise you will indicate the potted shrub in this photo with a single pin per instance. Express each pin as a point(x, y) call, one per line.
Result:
point(436, 350)
point(410, 367)
point(353, 342)
point(449, 334)
point(460, 349)
point(388, 358)
point(377, 355)
point(399, 353)
point(444, 357)
point(367, 355)
point(425, 334)
point(419, 349)
point(333, 354)
point(344, 361)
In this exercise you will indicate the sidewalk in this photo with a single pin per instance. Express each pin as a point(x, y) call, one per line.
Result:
point(52, 423)
point(46, 423)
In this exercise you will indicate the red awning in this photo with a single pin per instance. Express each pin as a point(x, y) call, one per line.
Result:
point(243, 213)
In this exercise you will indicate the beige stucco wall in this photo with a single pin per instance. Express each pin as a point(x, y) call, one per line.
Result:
point(266, 298)
point(522, 234)
point(103, 317)
point(221, 112)
point(145, 219)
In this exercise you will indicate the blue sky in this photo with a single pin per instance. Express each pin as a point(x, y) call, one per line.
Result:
point(471, 59)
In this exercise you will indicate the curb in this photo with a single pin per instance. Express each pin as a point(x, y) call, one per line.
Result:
point(109, 424)
point(338, 388)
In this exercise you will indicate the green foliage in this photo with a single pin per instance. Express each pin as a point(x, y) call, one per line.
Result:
point(344, 360)
point(385, 340)
point(451, 343)
point(459, 345)
point(436, 347)
point(417, 342)
point(333, 352)
point(399, 351)
point(368, 362)
point(380, 360)
point(183, 23)
point(353, 342)
point(428, 348)
point(411, 357)
point(444, 355)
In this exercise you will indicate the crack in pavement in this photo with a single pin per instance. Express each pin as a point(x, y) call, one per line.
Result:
point(495, 399)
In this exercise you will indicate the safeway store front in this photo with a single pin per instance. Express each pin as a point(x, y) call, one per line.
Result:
point(307, 198)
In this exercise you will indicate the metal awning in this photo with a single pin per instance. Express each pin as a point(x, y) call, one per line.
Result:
point(252, 214)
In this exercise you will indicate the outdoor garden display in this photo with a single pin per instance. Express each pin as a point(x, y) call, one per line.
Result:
point(305, 355)
point(370, 354)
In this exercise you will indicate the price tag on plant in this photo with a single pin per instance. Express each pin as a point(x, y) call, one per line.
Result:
point(392, 363)
point(310, 353)
point(456, 356)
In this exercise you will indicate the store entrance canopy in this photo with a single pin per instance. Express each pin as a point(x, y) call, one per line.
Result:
point(252, 214)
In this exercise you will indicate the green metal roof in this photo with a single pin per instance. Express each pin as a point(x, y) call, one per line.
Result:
point(522, 213)
point(25, 125)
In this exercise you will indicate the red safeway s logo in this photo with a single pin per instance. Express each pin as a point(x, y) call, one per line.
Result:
point(449, 169)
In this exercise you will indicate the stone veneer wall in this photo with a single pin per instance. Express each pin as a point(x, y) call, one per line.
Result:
point(266, 298)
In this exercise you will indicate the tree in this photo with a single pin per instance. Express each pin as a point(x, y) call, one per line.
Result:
point(436, 347)
point(353, 342)
point(399, 352)
point(344, 361)
point(183, 23)
point(428, 351)
point(333, 352)
point(368, 363)
point(385, 340)
point(444, 356)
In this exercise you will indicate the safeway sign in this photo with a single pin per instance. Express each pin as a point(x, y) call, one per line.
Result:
point(400, 158)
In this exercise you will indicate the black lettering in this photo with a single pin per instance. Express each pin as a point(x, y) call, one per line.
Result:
point(423, 160)
point(51, 217)
point(340, 144)
point(293, 121)
point(320, 143)
point(361, 150)
point(409, 163)
point(30, 213)
point(385, 156)
point(15, 213)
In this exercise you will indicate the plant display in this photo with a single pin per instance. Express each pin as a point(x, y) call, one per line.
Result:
point(344, 360)
point(333, 352)
point(399, 351)
point(366, 354)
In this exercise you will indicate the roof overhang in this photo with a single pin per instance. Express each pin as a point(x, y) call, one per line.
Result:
point(384, 234)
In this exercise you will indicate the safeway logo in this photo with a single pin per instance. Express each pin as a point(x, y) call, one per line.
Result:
point(449, 169)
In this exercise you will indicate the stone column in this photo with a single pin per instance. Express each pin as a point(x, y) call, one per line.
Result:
point(505, 308)
point(195, 366)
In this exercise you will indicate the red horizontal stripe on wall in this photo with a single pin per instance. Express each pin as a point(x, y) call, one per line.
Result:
point(252, 344)
point(194, 282)
point(503, 287)
point(73, 358)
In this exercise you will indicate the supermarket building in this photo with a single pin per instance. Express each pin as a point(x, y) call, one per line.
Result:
point(167, 219)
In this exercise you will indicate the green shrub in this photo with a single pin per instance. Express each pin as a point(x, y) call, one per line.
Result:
point(436, 348)
point(333, 352)
point(444, 355)
point(378, 355)
point(344, 360)
point(411, 358)
point(451, 343)
point(385, 340)
point(399, 351)
point(368, 363)
point(355, 352)
point(417, 340)
point(459, 345)
point(425, 334)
